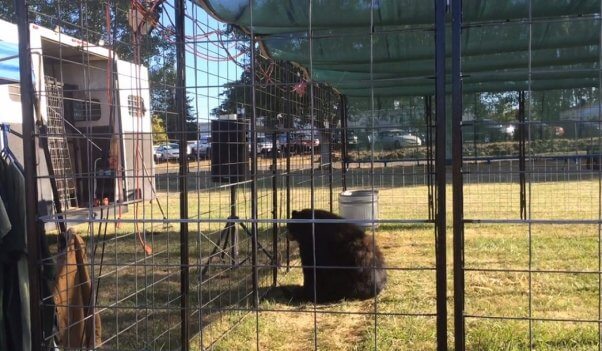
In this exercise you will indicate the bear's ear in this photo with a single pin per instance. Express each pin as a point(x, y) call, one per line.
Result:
point(295, 213)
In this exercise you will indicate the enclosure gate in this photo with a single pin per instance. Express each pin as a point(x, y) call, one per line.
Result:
point(261, 224)
point(146, 313)
point(534, 241)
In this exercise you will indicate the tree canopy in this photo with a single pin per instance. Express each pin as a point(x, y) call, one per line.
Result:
point(87, 20)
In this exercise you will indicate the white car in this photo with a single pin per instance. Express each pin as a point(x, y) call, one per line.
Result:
point(156, 154)
point(264, 146)
point(201, 148)
point(397, 138)
point(167, 152)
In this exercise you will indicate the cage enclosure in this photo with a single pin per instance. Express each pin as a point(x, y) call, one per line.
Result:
point(304, 175)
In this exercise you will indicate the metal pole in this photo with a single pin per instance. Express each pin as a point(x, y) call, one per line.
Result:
point(254, 210)
point(180, 14)
point(440, 225)
point(274, 209)
point(330, 171)
point(522, 154)
point(344, 156)
point(428, 115)
point(31, 195)
point(233, 228)
point(458, 191)
point(288, 194)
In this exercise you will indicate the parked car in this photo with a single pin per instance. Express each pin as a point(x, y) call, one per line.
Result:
point(188, 148)
point(352, 139)
point(397, 138)
point(543, 130)
point(201, 149)
point(156, 154)
point(265, 145)
point(298, 142)
point(303, 142)
point(167, 152)
point(486, 131)
point(579, 128)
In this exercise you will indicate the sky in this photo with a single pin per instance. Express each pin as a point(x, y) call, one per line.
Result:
point(207, 69)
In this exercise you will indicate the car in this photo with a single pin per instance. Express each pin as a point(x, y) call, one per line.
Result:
point(265, 145)
point(298, 142)
point(352, 139)
point(282, 140)
point(176, 145)
point(303, 142)
point(487, 131)
point(167, 152)
point(156, 154)
point(542, 130)
point(577, 128)
point(201, 149)
point(397, 138)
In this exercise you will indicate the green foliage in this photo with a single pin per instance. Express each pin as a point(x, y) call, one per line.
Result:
point(163, 99)
point(541, 105)
point(273, 88)
point(86, 20)
point(159, 132)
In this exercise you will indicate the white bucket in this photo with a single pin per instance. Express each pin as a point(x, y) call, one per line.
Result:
point(358, 205)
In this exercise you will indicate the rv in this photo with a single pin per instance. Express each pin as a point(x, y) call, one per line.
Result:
point(92, 115)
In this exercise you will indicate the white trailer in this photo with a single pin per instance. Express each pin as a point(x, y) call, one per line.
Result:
point(92, 112)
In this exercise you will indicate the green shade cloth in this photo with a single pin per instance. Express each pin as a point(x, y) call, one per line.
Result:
point(559, 46)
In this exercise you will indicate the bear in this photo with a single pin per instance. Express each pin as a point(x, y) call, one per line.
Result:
point(348, 265)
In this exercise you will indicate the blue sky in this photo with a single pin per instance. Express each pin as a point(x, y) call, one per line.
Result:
point(204, 74)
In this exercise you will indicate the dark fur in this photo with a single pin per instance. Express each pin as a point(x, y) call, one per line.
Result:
point(337, 245)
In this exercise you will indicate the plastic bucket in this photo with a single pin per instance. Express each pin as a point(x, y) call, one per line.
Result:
point(359, 205)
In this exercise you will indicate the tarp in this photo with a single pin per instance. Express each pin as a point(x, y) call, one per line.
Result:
point(9, 62)
point(386, 47)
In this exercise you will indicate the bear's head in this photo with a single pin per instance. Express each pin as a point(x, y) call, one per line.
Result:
point(300, 231)
point(296, 230)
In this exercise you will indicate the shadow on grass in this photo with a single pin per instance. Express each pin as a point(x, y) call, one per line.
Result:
point(139, 295)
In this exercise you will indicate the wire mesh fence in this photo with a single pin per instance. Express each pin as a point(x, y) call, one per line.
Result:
point(177, 143)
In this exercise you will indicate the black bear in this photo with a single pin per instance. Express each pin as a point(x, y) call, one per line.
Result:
point(348, 265)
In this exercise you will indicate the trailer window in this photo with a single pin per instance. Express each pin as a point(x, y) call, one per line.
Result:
point(86, 110)
point(14, 92)
point(136, 106)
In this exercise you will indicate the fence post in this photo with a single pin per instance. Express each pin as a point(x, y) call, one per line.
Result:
point(183, 171)
point(31, 195)
point(522, 154)
point(458, 191)
point(274, 208)
point(440, 224)
point(344, 156)
point(254, 207)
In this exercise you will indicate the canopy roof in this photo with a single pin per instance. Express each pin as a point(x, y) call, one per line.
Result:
point(9, 62)
point(503, 48)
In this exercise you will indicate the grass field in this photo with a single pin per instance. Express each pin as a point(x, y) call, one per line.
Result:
point(522, 285)
point(514, 271)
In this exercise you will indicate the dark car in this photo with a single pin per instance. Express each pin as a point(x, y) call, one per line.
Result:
point(486, 131)
point(298, 143)
point(580, 128)
point(545, 130)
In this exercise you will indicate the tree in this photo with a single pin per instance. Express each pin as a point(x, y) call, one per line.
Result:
point(159, 133)
point(86, 20)
point(281, 91)
point(163, 100)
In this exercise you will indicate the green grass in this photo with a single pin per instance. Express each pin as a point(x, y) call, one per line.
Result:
point(149, 293)
point(504, 295)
